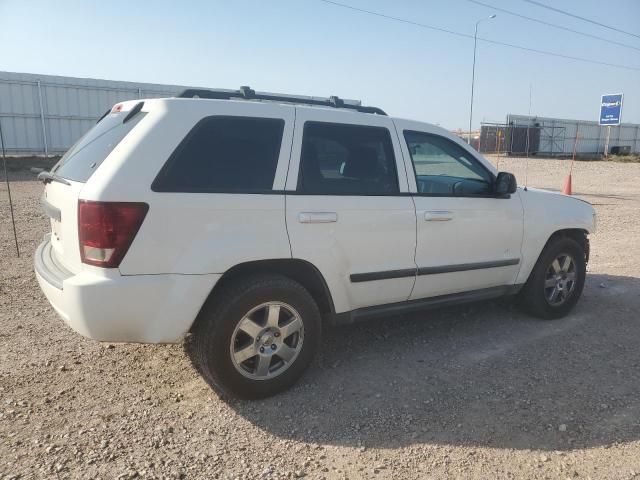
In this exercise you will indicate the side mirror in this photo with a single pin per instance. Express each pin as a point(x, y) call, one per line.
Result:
point(505, 184)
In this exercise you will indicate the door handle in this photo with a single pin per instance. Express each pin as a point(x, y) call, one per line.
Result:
point(438, 216)
point(318, 217)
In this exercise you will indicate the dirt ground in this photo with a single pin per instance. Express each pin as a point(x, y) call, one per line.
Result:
point(480, 391)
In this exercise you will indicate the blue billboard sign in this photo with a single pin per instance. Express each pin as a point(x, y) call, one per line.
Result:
point(611, 109)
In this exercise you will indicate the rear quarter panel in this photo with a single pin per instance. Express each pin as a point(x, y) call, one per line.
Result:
point(192, 233)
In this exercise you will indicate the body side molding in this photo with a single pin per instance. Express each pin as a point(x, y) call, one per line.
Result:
point(467, 266)
point(409, 272)
point(385, 275)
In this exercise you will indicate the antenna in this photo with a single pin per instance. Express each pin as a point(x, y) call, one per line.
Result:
point(6, 177)
point(526, 164)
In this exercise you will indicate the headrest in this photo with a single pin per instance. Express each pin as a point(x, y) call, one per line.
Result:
point(362, 163)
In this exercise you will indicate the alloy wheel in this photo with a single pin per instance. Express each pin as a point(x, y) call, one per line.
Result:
point(267, 340)
point(560, 280)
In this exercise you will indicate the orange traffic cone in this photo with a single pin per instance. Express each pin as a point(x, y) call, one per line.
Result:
point(566, 188)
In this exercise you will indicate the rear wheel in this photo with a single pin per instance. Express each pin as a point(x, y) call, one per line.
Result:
point(557, 280)
point(256, 337)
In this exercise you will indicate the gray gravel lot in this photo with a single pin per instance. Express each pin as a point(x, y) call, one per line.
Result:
point(480, 391)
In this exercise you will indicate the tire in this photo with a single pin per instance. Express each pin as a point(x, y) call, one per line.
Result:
point(537, 296)
point(239, 349)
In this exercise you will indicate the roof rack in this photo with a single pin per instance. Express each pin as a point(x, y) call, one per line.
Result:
point(247, 93)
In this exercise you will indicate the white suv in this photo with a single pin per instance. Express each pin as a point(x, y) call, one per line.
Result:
point(251, 220)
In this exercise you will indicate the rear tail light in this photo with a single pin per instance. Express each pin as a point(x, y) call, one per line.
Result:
point(106, 230)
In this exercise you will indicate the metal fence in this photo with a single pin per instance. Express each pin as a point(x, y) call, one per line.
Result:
point(556, 137)
point(46, 114)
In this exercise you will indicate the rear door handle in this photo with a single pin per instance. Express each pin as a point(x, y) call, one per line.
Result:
point(438, 216)
point(318, 217)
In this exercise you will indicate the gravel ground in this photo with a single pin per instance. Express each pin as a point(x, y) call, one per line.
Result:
point(480, 391)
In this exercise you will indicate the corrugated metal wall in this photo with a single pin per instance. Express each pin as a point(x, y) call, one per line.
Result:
point(557, 136)
point(46, 114)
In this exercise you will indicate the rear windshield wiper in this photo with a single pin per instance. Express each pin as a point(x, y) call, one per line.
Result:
point(47, 177)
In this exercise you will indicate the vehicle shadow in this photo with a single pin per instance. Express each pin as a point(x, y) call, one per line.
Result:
point(477, 375)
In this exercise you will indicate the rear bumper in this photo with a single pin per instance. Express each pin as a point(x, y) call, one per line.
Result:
point(103, 305)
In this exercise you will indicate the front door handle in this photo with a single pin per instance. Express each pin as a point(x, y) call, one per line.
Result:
point(438, 216)
point(318, 217)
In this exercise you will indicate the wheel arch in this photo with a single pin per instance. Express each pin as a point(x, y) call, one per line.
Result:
point(301, 271)
point(532, 296)
point(579, 235)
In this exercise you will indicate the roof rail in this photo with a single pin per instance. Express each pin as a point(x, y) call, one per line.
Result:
point(247, 93)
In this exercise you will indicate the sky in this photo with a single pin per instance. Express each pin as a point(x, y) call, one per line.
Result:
point(310, 47)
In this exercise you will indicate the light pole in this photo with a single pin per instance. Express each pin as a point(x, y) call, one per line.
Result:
point(473, 71)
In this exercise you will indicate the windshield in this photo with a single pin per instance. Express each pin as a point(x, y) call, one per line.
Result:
point(83, 158)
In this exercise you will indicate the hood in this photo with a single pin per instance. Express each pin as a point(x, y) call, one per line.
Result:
point(562, 211)
point(552, 192)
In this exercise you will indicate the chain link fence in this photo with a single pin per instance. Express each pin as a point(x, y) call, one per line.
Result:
point(525, 135)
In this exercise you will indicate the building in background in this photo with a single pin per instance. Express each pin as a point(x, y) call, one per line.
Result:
point(522, 134)
point(46, 114)
point(464, 134)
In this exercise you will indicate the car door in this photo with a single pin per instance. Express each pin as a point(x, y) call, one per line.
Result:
point(467, 238)
point(348, 208)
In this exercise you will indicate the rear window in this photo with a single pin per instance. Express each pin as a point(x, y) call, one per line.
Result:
point(94, 147)
point(224, 155)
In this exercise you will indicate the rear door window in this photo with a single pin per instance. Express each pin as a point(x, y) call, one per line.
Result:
point(224, 155)
point(341, 159)
point(88, 153)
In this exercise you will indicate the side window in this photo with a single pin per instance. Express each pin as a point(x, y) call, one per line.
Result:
point(339, 159)
point(225, 155)
point(444, 168)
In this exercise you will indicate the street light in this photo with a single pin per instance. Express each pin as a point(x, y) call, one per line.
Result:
point(473, 72)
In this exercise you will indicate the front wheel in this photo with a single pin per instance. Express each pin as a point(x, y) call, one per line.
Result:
point(557, 280)
point(257, 335)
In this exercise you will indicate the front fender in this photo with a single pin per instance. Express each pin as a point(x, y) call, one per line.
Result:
point(544, 214)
